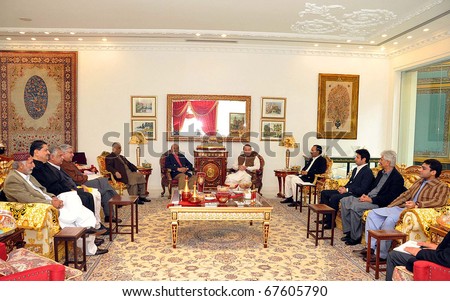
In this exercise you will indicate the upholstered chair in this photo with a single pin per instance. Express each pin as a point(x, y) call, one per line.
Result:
point(118, 186)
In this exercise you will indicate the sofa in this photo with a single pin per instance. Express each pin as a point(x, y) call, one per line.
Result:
point(423, 271)
point(22, 264)
point(40, 222)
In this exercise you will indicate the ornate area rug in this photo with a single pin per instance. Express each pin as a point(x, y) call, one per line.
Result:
point(38, 98)
point(212, 251)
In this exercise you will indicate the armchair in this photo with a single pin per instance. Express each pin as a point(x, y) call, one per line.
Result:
point(429, 271)
point(118, 186)
point(22, 264)
point(257, 175)
point(166, 178)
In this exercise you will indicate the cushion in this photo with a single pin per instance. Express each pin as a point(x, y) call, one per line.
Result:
point(6, 269)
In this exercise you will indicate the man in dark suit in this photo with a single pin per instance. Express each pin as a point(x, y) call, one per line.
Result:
point(126, 172)
point(52, 180)
point(314, 165)
point(359, 183)
point(180, 167)
point(387, 186)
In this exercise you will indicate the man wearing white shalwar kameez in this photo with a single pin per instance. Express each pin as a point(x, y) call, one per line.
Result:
point(246, 165)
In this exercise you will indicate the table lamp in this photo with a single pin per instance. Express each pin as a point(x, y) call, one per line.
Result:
point(288, 141)
point(137, 138)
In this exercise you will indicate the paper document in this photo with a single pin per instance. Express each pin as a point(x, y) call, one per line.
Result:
point(409, 243)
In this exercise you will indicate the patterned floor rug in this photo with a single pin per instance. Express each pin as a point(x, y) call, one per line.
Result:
point(211, 251)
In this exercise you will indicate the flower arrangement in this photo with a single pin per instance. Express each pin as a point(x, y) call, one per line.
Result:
point(288, 142)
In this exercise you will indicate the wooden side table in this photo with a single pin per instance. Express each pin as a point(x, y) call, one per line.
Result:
point(380, 235)
point(71, 234)
point(123, 200)
point(14, 239)
point(437, 233)
point(320, 209)
point(146, 172)
point(281, 174)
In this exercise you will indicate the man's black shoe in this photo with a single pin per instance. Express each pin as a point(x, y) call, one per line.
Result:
point(287, 200)
point(353, 242)
point(327, 226)
point(118, 220)
point(293, 204)
point(96, 232)
point(373, 259)
point(364, 252)
point(346, 237)
point(147, 199)
point(99, 241)
point(141, 201)
point(101, 251)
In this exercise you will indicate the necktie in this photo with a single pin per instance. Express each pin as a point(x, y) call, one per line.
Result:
point(416, 196)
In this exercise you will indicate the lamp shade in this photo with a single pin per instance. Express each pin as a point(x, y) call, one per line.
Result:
point(288, 141)
point(137, 138)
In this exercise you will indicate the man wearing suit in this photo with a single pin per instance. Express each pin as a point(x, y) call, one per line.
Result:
point(387, 186)
point(22, 187)
point(180, 167)
point(51, 180)
point(359, 183)
point(315, 165)
point(428, 192)
point(126, 172)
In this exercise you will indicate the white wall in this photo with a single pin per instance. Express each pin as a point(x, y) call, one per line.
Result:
point(107, 79)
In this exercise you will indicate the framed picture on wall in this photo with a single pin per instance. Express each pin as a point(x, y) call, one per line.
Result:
point(337, 113)
point(273, 107)
point(145, 126)
point(272, 130)
point(143, 106)
point(237, 124)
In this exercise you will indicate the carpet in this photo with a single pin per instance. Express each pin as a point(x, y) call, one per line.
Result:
point(213, 251)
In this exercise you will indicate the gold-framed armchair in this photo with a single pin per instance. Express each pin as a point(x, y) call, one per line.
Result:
point(118, 186)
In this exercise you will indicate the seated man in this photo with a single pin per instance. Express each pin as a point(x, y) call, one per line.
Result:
point(22, 187)
point(100, 183)
point(359, 183)
point(439, 254)
point(126, 172)
point(246, 165)
point(387, 186)
point(314, 165)
point(180, 167)
point(428, 192)
point(51, 180)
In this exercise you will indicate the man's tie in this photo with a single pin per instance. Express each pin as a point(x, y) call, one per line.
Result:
point(416, 196)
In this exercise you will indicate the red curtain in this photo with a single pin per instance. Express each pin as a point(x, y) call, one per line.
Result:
point(179, 114)
point(206, 111)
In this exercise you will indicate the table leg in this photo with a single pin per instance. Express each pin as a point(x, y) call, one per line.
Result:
point(137, 227)
point(75, 255)
point(132, 223)
point(266, 233)
point(368, 258)
point(174, 233)
point(279, 194)
point(110, 220)
point(84, 252)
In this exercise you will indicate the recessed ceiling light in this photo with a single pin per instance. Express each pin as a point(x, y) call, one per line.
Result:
point(384, 35)
point(56, 39)
point(223, 35)
point(80, 39)
point(372, 42)
point(338, 46)
point(409, 37)
point(382, 48)
point(72, 33)
point(198, 34)
point(9, 39)
point(46, 32)
point(33, 39)
point(316, 45)
point(361, 47)
point(348, 41)
point(22, 32)
point(426, 29)
point(395, 43)
point(104, 39)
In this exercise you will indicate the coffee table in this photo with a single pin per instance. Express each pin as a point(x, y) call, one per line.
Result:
point(261, 211)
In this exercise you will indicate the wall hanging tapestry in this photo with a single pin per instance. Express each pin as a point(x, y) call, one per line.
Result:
point(38, 98)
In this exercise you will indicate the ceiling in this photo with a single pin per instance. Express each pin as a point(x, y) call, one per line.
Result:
point(382, 26)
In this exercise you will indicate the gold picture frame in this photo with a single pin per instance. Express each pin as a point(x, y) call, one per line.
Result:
point(337, 113)
point(143, 106)
point(145, 126)
point(273, 107)
point(236, 124)
point(272, 130)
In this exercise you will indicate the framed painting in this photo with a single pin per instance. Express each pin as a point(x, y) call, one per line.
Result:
point(273, 107)
point(145, 126)
point(337, 113)
point(143, 106)
point(237, 124)
point(39, 98)
point(272, 130)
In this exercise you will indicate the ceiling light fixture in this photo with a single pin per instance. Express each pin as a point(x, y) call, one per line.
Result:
point(395, 43)
point(46, 32)
point(349, 41)
point(72, 33)
point(361, 47)
point(22, 32)
point(315, 45)
point(104, 39)
point(384, 35)
point(426, 29)
point(9, 39)
point(338, 46)
point(223, 35)
point(198, 34)
point(409, 37)
point(80, 39)
point(33, 39)
point(56, 39)
point(372, 42)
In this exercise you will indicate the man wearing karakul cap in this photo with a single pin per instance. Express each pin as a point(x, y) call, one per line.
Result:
point(21, 186)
